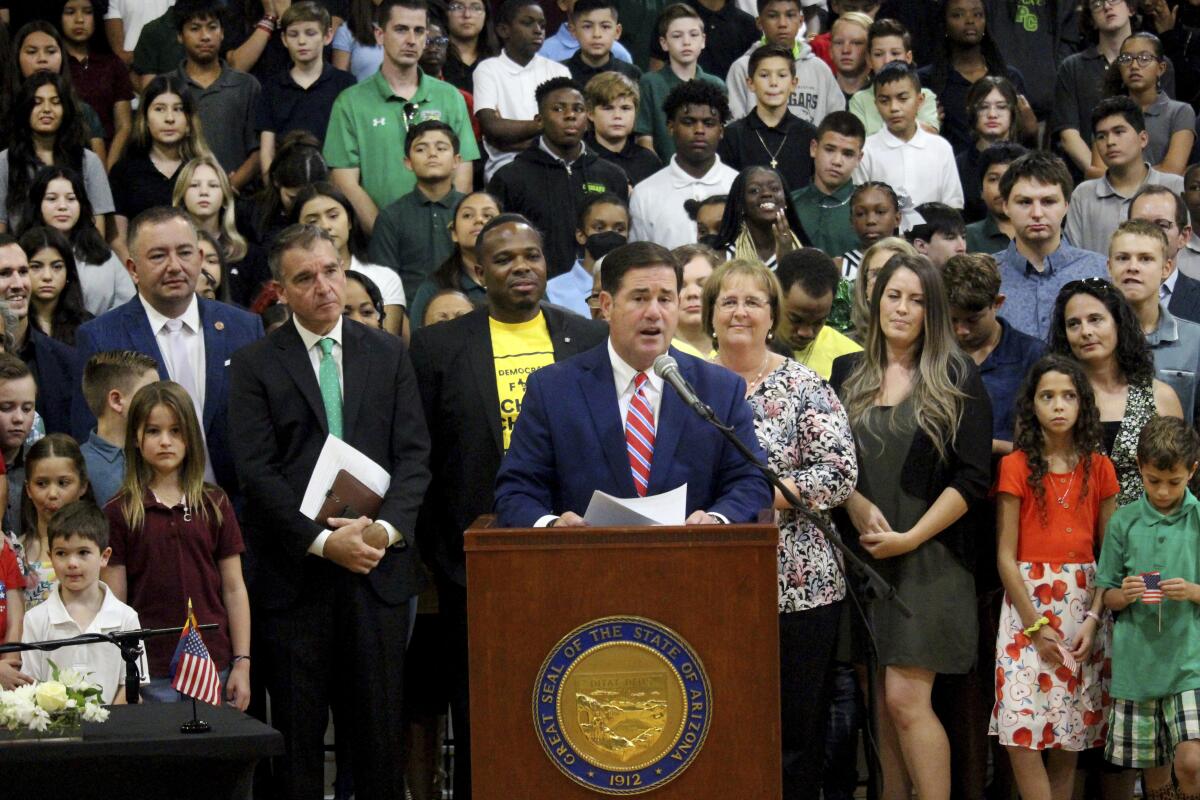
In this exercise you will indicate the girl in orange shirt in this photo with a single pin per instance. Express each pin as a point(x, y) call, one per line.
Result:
point(1054, 496)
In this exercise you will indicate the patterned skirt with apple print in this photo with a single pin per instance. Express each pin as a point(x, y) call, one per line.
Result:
point(1040, 706)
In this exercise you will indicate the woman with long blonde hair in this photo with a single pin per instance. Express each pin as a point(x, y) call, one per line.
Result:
point(869, 268)
point(922, 425)
point(204, 191)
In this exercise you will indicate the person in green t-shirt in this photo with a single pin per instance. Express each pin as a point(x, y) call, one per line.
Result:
point(681, 34)
point(824, 205)
point(1150, 573)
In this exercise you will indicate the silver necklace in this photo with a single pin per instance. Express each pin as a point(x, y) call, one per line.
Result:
point(759, 377)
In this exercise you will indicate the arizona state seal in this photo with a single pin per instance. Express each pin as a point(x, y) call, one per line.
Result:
point(622, 705)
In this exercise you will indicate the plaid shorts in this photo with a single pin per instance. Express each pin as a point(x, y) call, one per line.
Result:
point(1145, 733)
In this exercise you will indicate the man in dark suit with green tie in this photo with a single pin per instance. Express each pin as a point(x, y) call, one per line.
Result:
point(331, 597)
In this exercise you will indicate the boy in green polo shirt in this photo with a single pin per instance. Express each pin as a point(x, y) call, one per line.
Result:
point(823, 206)
point(681, 34)
point(1149, 571)
point(412, 235)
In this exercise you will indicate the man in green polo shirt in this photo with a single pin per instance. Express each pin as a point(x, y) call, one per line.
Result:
point(823, 206)
point(364, 145)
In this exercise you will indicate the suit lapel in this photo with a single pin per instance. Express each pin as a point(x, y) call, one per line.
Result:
point(599, 392)
point(137, 328)
point(216, 347)
point(355, 370)
point(560, 338)
point(295, 360)
point(482, 366)
point(671, 417)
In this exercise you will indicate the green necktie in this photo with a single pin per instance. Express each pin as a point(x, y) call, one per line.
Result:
point(331, 390)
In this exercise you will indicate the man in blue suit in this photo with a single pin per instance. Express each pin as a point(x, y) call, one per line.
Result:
point(190, 338)
point(603, 420)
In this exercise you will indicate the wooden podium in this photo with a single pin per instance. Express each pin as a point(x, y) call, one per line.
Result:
point(714, 585)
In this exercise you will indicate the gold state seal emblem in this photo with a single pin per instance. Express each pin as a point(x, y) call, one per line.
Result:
point(622, 705)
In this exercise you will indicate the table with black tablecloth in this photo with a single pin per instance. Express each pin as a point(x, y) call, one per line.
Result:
point(139, 752)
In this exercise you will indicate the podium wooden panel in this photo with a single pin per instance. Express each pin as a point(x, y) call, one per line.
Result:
point(715, 585)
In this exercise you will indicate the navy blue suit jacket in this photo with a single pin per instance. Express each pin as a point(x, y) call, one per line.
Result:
point(126, 327)
point(1185, 300)
point(570, 441)
point(55, 364)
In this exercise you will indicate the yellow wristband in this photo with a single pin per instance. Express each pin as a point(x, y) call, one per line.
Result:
point(1037, 626)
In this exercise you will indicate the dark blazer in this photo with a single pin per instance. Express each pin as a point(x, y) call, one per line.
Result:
point(1185, 300)
point(55, 363)
point(277, 434)
point(126, 327)
point(967, 466)
point(457, 379)
point(570, 441)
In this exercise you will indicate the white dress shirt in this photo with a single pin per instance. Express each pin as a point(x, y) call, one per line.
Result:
point(623, 377)
point(922, 170)
point(312, 343)
point(193, 339)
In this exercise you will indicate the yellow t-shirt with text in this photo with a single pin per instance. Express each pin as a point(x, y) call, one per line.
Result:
point(828, 345)
point(517, 350)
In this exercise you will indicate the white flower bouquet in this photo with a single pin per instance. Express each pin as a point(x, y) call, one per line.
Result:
point(51, 707)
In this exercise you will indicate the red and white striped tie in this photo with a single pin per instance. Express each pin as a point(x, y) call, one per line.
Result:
point(639, 435)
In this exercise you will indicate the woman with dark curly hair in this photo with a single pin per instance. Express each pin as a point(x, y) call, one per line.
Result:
point(1094, 324)
point(1055, 494)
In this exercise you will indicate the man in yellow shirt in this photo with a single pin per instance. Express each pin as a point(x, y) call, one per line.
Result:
point(471, 373)
point(809, 279)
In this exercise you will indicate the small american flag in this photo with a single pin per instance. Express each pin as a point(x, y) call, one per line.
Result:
point(1153, 593)
point(194, 672)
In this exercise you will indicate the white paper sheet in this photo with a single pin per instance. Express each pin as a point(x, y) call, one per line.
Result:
point(668, 508)
point(336, 456)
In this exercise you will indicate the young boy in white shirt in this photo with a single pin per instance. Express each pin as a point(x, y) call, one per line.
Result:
point(917, 164)
point(505, 85)
point(80, 604)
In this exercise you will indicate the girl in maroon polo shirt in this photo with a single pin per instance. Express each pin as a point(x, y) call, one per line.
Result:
point(175, 537)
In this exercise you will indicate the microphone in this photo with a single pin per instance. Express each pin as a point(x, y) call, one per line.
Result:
point(667, 368)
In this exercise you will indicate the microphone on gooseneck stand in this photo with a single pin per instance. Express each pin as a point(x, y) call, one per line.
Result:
point(667, 368)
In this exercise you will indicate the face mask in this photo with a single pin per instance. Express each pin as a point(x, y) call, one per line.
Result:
point(601, 244)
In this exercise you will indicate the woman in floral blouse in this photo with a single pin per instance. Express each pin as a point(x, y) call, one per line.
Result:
point(803, 429)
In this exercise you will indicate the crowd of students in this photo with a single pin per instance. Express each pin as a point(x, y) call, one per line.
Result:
point(946, 230)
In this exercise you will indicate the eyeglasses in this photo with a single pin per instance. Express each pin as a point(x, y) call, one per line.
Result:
point(593, 300)
point(473, 10)
point(730, 304)
point(437, 41)
point(1145, 59)
point(1094, 5)
point(1086, 285)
